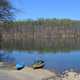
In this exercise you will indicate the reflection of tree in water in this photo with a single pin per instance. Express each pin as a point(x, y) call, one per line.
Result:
point(8, 61)
point(0, 57)
point(42, 38)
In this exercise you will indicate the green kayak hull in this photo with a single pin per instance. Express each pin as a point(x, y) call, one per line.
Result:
point(37, 66)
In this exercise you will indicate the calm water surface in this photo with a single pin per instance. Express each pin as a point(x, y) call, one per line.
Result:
point(58, 61)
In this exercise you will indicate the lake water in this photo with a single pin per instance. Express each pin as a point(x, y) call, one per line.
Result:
point(58, 61)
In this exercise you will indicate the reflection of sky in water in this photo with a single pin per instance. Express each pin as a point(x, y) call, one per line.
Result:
point(59, 61)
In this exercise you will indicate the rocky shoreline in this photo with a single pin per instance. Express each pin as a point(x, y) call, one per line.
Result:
point(70, 75)
point(67, 75)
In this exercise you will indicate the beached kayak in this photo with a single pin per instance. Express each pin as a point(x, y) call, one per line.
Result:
point(19, 66)
point(38, 64)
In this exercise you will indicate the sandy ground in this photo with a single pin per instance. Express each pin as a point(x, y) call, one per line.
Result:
point(26, 74)
point(39, 74)
point(5, 76)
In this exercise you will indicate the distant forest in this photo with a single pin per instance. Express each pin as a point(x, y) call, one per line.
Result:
point(42, 34)
point(51, 22)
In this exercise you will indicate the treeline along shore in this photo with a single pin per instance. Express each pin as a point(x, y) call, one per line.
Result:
point(42, 34)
